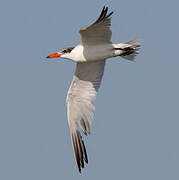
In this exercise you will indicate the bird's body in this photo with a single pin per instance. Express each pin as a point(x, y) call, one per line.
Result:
point(87, 53)
point(90, 56)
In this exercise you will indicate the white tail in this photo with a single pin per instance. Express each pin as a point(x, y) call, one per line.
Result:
point(129, 49)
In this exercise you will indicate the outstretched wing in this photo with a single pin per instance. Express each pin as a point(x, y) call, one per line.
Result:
point(82, 92)
point(99, 32)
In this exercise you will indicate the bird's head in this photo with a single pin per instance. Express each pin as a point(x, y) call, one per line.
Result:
point(64, 53)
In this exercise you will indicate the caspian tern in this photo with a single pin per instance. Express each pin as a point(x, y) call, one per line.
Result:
point(90, 56)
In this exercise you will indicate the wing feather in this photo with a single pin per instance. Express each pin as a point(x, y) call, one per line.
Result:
point(82, 92)
point(99, 32)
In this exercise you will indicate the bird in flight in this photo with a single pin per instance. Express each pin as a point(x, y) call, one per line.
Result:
point(90, 57)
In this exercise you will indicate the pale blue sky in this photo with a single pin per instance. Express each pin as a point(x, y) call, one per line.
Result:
point(135, 133)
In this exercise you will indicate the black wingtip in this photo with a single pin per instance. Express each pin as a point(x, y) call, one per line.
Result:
point(79, 169)
point(109, 14)
point(105, 11)
point(103, 14)
point(79, 150)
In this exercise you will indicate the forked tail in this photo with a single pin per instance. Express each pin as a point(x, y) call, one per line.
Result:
point(130, 49)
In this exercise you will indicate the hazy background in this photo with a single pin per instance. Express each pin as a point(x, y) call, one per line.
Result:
point(136, 127)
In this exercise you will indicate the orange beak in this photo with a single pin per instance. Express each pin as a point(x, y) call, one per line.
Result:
point(54, 55)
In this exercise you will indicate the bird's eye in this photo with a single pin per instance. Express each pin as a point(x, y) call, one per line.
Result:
point(64, 51)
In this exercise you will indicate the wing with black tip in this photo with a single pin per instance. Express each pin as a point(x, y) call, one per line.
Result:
point(82, 92)
point(99, 32)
